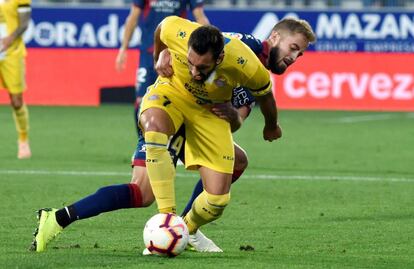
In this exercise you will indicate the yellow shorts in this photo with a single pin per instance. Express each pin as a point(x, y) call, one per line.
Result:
point(209, 142)
point(12, 74)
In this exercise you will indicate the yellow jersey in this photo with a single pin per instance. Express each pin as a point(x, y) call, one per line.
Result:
point(240, 66)
point(9, 21)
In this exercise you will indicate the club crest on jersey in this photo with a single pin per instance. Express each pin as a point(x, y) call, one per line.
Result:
point(181, 34)
point(220, 82)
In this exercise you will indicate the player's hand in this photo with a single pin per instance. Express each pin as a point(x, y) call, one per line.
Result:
point(163, 65)
point(271, 133)
point(5, 43)
point(225, 111)
point(120, 62)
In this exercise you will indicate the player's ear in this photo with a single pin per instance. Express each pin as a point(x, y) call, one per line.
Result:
point(220, 58)
point(275, 37)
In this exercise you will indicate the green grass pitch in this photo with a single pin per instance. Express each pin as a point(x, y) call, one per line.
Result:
point(337, 191)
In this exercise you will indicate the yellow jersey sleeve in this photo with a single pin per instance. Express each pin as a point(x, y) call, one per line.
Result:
point(260, 83)
point(175, 32)
point(251, 72)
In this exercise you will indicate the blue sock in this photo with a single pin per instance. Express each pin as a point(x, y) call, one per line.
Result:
point(105, 199)
point(198, 188)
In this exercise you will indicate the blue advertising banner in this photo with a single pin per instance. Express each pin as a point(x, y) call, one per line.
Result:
point(336, 31)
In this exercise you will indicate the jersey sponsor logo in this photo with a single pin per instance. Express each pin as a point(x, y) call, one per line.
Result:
point(165, 6)
point(196, 91)
point(241, 97)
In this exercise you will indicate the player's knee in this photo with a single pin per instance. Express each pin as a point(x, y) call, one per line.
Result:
point(156, 120)
point(241, 161)
point(16, 103)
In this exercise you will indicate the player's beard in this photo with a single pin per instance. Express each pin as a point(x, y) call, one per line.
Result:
point(204, 76)
point(273, 63)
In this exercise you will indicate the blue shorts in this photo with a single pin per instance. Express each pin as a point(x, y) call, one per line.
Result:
point(175, 147)
point(146, 74)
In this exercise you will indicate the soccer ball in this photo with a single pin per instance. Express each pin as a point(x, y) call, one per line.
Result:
point(166, 235)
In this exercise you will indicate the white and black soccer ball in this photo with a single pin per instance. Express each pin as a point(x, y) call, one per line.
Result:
point(166, 235)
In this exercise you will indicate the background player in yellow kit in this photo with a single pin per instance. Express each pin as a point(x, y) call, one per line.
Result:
point(14, 20)
point(207, 67)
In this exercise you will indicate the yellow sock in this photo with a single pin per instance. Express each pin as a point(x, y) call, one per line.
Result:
point(206, 208)
point(21, 119)
point(161, 171)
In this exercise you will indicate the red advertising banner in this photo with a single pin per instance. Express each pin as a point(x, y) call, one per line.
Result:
point(348, 81)
point(72, 77)
point(334, 81)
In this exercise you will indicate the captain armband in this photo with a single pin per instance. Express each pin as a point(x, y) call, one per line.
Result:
point(262, 91)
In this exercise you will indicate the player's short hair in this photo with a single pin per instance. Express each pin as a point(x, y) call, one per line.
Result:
point(294, 26)
point(207, 38)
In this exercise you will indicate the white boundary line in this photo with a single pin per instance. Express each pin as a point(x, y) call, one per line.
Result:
point(192, 175)
point(365, 118)
point(372, 117)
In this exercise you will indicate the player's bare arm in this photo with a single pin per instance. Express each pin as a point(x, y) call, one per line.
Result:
point(159, 46)
point(24, 18)
point(164, 66)
point(130, 24)
point(271, 130)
